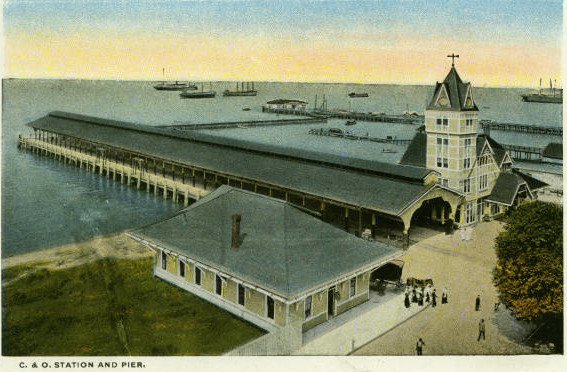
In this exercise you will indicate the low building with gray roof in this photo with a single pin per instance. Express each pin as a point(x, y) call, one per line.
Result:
point(263, 259)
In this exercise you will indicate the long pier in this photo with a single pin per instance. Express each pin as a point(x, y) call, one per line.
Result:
point(132, 172)
point(522, 128)
point(352, 115)
point(524, 152)
point(245, 124)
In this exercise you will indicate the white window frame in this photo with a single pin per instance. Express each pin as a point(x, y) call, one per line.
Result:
point(350, 287)
point(184, 268)
point(466, 163)
point(467, 185)
point(238, 286)
point(267, 310)
point(470, 215)
point(217, 278)
point(444, 182)
point(483, 182)
point(305, 315)
point(195, 269)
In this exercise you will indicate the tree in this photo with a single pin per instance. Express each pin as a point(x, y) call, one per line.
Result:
point(529, 270)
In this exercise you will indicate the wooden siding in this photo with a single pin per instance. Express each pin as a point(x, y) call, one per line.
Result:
point(255, 302)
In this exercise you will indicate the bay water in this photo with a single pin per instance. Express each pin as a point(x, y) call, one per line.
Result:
point(47, 203)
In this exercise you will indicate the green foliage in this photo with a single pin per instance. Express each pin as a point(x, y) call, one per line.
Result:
point(98, 308)
point(529, 271)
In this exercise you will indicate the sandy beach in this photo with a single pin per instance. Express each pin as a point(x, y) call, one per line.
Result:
point(74, 254)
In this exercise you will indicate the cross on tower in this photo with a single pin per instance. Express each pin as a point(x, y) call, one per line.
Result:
point(453, 56)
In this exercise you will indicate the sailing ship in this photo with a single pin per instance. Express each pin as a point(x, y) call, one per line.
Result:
point(240, 91)
point(174, 86)
point(553, 95)
point(199, 94)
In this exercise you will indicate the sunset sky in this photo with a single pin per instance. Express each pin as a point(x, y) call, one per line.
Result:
point(500, 43)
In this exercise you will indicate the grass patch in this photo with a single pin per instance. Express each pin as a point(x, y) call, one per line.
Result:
point(17, 270)
point(110, 307)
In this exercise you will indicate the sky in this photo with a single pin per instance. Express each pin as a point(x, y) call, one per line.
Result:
point(500, 43)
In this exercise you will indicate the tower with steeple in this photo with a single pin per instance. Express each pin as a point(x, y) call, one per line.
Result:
point(451, 124)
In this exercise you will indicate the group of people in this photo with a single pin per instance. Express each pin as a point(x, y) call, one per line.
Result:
point(423, 294)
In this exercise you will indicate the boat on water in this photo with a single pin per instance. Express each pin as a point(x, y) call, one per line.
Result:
point(551, 95)
point(357, 95)
point(246, 109)
point(175, 85)
point(350, 122)
point(198, 94)
point(241, 91)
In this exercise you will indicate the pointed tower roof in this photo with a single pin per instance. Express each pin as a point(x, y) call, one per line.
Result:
point(453, 94)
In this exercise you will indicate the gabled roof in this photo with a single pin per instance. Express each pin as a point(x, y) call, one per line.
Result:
point(283, 249)
point(508, 184)
point(553, 151)
point(456, 90)
point(498, 150)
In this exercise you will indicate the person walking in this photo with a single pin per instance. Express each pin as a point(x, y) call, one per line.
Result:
point(427, 293)
point(419, 347)
point(444, 296)
point(481, 330)
point(420, 299)
point(434, 298)
point(407, 301)
point(414, 295)
point(477, 303)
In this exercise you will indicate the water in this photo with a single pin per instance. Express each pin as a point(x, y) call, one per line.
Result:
point(47, 203)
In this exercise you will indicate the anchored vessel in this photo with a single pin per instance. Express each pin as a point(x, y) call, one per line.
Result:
point(174, 86)
point(553, 95)
point(240, 91)
point(357, 95)
point(198, 94)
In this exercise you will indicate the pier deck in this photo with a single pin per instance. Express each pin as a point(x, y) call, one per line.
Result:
point(244, 124)
point(523, 128)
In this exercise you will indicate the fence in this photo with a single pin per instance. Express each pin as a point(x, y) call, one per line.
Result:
point(282, 341)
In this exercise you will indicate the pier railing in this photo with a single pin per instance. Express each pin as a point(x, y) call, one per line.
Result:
point(125, 172)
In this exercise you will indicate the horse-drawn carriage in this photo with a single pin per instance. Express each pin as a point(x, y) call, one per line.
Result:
point(390, 273)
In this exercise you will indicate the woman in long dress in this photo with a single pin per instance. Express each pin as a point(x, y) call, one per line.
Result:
point(407, 301)
point(434, 299)
point(414, 295)
point(444, 298)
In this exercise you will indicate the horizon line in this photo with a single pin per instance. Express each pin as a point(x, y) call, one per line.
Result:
point(264, 81)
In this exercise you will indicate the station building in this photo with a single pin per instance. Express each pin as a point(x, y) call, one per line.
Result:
point(263, 259)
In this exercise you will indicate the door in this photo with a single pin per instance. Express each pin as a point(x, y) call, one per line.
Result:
point(331, 302)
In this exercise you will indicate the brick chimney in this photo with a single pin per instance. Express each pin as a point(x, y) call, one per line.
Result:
point(235, 230)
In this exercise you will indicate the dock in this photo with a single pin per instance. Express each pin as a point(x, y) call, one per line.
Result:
point(522, 128)
point(343, 134)
point(352, 115)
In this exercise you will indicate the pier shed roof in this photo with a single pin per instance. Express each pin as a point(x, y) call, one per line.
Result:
point(383, 193)
point(283, 249)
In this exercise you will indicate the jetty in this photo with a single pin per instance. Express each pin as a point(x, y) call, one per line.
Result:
point(523, 128)
point(336, 132)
